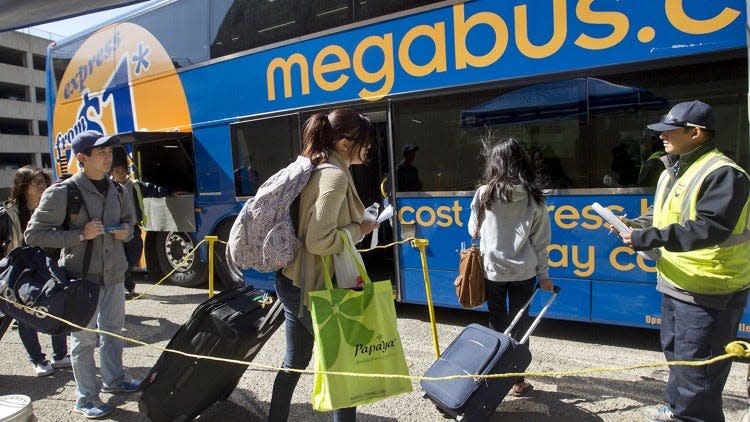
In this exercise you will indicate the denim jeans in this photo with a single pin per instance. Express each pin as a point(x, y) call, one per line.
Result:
point(692, 332)
point(109, 316)
point(30, 340)
point(299, 349)
point(504, 300)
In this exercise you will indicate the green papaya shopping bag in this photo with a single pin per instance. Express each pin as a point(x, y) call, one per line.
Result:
point(355, 331)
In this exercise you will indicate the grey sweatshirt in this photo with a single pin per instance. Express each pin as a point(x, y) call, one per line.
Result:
point(513, 238)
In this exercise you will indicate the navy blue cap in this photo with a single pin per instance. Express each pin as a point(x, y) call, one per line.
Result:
point(90, 139)
point(690, 114)
point(409, 148)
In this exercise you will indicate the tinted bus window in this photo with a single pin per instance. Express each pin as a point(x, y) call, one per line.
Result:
point(261, 148)
point(182, 28)
point(586, 132)
point(373, 8)
point(238, 25)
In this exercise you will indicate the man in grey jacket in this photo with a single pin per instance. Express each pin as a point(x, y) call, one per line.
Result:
point(105, 219)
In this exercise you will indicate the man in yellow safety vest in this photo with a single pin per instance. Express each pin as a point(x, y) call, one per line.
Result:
point(699, 224)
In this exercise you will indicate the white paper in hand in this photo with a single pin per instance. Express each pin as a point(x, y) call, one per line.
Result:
point(621, 227)
point(386, 214)
point(611, 218)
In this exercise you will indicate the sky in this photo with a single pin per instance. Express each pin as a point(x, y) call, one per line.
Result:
point(66, 27)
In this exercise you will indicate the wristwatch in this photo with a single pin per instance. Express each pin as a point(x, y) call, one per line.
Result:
point(81, 237)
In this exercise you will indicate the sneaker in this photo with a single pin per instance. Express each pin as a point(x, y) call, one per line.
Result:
point(93, 409)
point(43, 369)
point(661, 412)
point(127, 386)
point(62, 363)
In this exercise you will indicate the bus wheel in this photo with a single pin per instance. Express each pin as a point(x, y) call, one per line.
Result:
point(169, 250)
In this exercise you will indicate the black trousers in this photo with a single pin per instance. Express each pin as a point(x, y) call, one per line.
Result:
point(504, 300)
point(691, 332)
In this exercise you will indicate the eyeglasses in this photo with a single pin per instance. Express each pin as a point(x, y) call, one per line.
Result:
point(668, 119)
point(38, 183)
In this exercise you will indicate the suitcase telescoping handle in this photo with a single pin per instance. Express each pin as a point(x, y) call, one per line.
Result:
point(538, 318)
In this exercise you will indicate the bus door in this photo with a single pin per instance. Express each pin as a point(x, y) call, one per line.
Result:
point(166, 160)
point(372, 185)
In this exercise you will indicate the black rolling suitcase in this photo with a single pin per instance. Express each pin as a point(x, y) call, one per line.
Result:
point(480, 350)
point(233, 324)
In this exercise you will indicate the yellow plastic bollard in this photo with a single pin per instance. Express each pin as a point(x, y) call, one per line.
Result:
point(421, 244)
point(211, 240)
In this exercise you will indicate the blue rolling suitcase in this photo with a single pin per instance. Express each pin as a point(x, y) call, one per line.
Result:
point(480, 350)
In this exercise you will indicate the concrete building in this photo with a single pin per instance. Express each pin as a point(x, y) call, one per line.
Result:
point(23, 116)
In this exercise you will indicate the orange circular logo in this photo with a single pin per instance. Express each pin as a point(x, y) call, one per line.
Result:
point(120, 80)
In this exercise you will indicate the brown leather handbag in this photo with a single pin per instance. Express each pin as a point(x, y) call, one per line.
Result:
point(470, 281)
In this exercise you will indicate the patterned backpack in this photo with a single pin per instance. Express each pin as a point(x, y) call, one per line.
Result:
point(263, 236)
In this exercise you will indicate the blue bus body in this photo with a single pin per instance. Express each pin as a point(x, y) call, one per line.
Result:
point(445, 47)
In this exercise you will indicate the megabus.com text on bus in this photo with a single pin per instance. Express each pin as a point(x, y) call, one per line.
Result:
point(331, 65)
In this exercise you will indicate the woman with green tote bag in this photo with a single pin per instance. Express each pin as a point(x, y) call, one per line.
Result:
point(328, 203)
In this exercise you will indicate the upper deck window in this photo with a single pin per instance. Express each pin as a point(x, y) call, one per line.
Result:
point(238, 25)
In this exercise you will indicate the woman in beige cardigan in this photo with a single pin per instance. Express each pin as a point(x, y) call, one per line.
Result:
point(328, 203)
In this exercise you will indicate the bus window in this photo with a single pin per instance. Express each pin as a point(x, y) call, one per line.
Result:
point(450, 143)
point(260, 148)
point(182, 29)
point(238, 25)
point(723, 86)
point(369, 9)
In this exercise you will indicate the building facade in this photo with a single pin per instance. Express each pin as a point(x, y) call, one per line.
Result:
point(23, 116)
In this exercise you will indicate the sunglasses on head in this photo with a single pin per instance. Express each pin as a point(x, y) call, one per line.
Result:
point(672, 121)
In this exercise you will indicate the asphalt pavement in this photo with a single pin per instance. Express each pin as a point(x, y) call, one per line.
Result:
point(555, 346)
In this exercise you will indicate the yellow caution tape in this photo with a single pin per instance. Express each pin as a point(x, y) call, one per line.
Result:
point(739, 349)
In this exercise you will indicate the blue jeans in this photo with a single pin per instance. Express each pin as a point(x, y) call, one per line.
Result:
point(299, 349)
point(109, 316)
point(692, 332)
point(30, 340)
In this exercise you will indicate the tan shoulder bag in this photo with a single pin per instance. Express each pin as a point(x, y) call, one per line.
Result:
point(470, 281)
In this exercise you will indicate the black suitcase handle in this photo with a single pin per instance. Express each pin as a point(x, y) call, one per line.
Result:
point(537, 320)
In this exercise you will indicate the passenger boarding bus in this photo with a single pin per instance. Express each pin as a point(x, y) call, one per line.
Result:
point(211, 97)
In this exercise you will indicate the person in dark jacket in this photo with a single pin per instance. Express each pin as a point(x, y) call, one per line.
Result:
point(138, 190)
point(28, 185)
point(700, 225)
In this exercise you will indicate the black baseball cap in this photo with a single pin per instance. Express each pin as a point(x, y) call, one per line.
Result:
point(689, 114)
point(91, 139)
point(409, 148)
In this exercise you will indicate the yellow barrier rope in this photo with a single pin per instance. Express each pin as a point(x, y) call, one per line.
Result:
point(177, 267)
point(740, 349)
point(398, 242)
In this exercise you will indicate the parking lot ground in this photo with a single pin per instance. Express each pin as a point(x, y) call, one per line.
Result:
point(556, 346)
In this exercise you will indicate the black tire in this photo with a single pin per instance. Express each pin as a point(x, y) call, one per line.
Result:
point(228, 274)
point(164, 250)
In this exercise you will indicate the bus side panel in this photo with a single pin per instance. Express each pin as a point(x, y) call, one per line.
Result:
point(641, 309)
point(572, 304)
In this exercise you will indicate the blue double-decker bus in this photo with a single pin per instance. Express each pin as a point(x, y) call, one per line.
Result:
point(211, 96)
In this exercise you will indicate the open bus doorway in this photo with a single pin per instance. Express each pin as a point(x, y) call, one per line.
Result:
point(166, 159)
point(370, 180)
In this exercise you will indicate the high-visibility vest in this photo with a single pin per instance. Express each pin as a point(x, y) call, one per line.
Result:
point(714, 270)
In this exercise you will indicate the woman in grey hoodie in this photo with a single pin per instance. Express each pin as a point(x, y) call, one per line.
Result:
point(509, 213)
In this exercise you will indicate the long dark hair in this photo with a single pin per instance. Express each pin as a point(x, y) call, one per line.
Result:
point(323, 131)
point(508, 164)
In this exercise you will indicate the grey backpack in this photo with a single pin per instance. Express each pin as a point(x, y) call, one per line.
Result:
point(263, 237)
